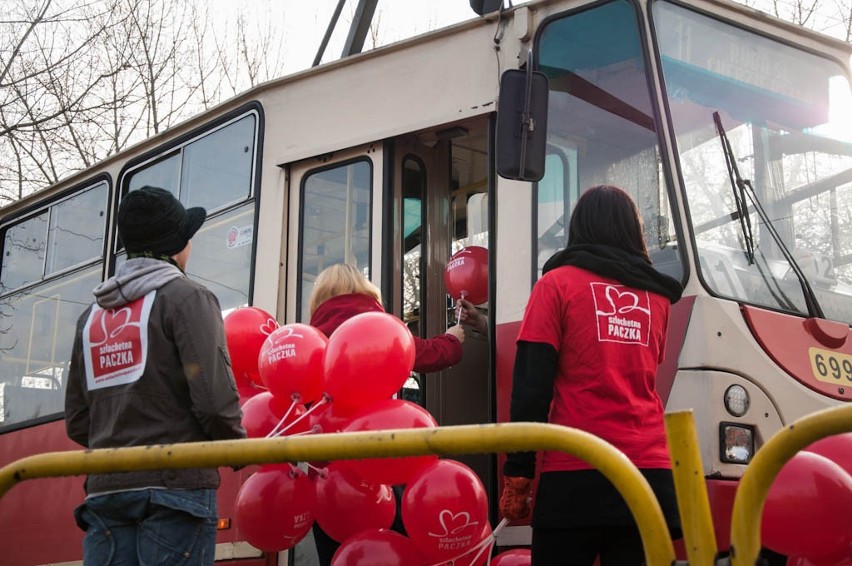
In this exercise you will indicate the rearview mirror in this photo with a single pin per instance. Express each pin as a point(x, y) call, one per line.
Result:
point(522, 125)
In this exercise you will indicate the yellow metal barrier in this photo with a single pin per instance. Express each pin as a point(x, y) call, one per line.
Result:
point(767, 462)
point(692, 501)
point(469, 439)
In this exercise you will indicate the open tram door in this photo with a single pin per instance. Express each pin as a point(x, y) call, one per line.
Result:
point(397, 210)
point(438, 205)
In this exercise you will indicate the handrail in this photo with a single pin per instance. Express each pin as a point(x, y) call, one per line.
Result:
point(767, 462)
point(691, 488)
point(465, 439)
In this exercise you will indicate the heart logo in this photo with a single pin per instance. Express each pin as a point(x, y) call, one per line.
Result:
point(453, 523)
point(269, 326)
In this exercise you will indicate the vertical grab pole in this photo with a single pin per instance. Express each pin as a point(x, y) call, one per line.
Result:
point(692, 501)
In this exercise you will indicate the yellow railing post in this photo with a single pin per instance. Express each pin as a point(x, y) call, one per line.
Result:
point(468, 439)
point(691, 489)
point(768, 461)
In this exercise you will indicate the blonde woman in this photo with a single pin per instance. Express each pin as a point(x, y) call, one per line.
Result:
point(341, 292)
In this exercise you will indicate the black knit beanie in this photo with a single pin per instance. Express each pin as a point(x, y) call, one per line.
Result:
point(152, 221)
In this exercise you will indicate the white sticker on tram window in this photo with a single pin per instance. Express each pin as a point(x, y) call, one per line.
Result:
point(237, 237)
point(115, 343)
point(623, 314)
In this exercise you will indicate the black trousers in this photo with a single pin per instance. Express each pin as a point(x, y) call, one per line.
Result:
point(580, 546)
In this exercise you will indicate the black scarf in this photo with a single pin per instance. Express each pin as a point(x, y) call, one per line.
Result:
point(624, 267)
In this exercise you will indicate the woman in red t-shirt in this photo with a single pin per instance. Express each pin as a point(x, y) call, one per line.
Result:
point(592, 336)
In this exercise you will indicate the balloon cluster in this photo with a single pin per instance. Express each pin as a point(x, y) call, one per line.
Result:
point(294, 380)
point(807, 514)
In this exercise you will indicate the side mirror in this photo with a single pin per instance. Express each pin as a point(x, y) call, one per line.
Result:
point(522, 125)
point(482, 7)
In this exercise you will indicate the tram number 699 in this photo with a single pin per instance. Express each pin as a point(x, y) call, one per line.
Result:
point(830, 367)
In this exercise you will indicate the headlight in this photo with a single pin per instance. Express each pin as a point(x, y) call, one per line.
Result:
point(737, 400)
point(736, 443)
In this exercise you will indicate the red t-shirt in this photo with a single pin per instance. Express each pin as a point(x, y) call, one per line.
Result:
point(610, 339)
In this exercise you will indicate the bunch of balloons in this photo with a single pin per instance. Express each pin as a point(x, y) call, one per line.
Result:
point(297, 381)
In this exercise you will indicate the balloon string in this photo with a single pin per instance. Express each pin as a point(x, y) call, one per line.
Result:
point(274, 431)
point(462, 295)
point(486, 543)
point(319, 471)
point(300, 417)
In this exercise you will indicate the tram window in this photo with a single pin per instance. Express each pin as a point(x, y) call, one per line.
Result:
point(36, 333)
point(414, 191)
point(217, 168)
point(68, 233)
point(555, 197)
point(165, 174)
point(76, 232)
point(212, 171)
point(336, 205)
point(414, 242)
point(23, 252)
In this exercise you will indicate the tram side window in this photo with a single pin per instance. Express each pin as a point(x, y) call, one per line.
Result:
point(336, 217)
point(51, 262)
point(214, 170)
point(555, 195)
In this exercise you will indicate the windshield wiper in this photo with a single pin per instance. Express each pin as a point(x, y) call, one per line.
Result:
point(739, 186)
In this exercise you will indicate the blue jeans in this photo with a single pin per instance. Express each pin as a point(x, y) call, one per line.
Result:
point(151, 527)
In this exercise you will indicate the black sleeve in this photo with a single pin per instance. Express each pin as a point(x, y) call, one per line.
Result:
point(532, 392)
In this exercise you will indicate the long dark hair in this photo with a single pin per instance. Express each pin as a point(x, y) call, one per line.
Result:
point(607, 215)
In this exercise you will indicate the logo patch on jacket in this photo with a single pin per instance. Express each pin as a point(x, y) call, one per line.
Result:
point(115, 343)
point(623, 314)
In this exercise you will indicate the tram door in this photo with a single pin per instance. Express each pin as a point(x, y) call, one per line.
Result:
point(439, 205)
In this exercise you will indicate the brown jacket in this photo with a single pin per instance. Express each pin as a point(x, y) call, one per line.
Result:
point(186, 392)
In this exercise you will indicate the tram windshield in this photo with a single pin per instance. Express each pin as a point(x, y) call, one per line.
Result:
point(601, 127)
point(786, 114)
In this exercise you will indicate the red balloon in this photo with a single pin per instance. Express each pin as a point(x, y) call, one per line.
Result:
point(384, 415)
point(840, 560)
point(837, 448)
point(466, 274)
point(347, 505)
point(275, 507)
point(445, 510)
point(515, 557)
point(378, 547)
point(263, 413)
point(328, 417)
point(807, 510)
point(368, 358)
point(246, 328)
point(290, 362)
point(248, 390)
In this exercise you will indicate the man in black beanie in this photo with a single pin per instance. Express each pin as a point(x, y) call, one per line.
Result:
point(150, 366)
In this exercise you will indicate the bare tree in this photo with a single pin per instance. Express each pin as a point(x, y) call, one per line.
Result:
point(81, 81)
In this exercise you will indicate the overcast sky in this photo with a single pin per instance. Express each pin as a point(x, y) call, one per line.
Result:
point(302, 23)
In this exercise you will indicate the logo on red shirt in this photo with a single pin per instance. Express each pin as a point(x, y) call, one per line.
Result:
point(115, 343)
point(623, 314)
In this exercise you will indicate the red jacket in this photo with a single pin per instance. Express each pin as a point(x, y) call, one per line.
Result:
point(432, 354)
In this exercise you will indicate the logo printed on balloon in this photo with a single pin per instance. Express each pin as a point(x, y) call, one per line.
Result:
point(269, 326)
point(283, 351)
point(466, 274)
point(459, 521)
point(384, 493)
